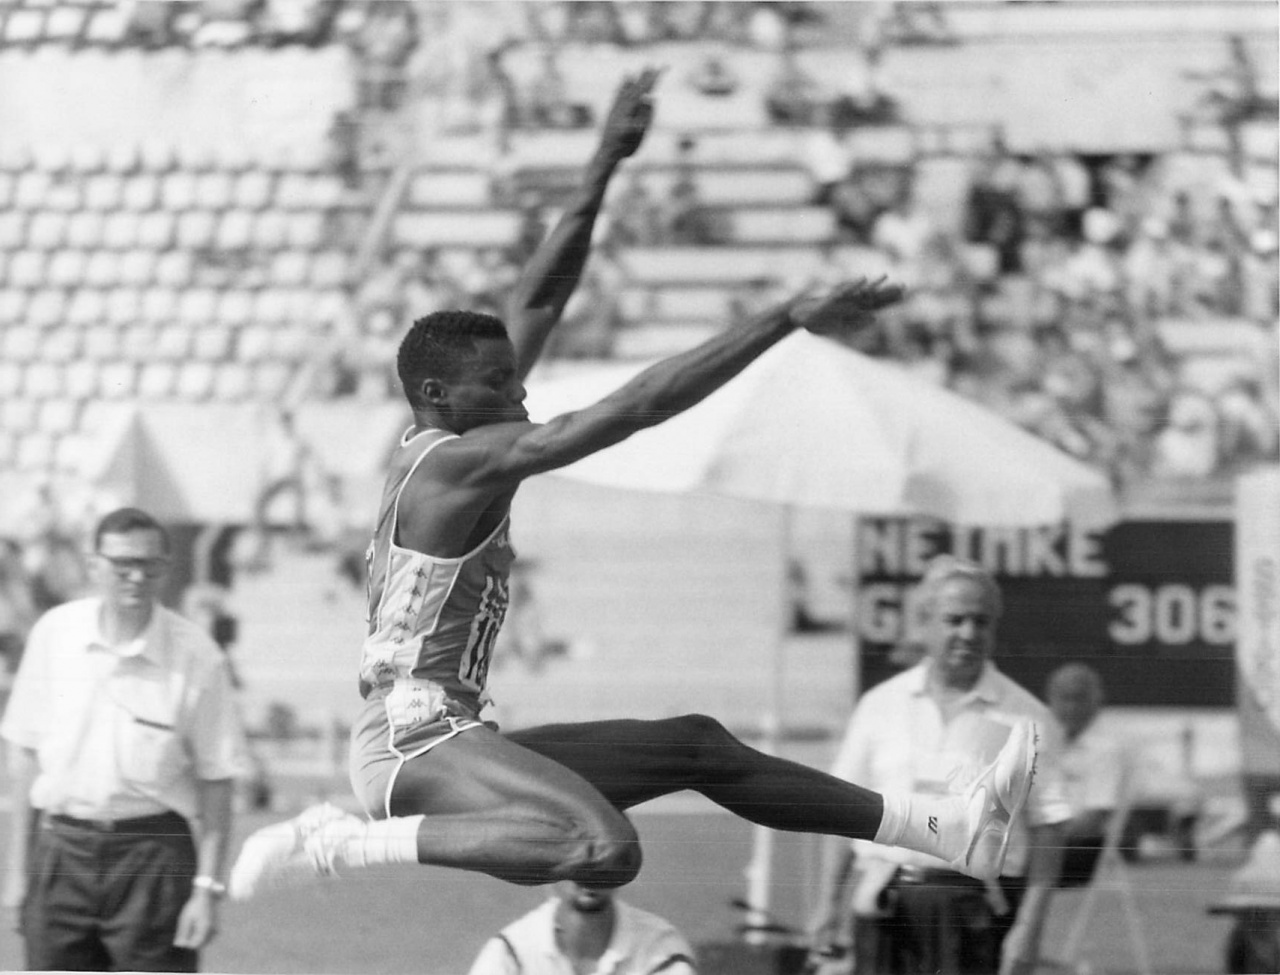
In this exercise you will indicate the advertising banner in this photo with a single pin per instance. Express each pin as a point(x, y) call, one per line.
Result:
point(1258, 649)
point(1150, 604)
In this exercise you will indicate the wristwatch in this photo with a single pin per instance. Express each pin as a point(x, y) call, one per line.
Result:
point(216, 888)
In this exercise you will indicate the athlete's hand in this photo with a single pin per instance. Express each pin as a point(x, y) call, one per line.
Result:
point(629, 117)
point(845, 309)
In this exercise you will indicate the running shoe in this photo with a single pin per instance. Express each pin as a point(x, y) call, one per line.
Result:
point(994, 802)
point(293, 853)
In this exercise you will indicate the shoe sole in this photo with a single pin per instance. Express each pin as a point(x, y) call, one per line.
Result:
point(1020, 801)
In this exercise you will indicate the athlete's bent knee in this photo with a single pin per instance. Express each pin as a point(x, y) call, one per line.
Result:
point(608, 856)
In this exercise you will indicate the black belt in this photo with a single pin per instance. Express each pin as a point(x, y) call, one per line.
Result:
point(166, 822)
point(911, 876)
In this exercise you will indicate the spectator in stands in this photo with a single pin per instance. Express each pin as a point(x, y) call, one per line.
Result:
point(1188, 445)
point(548, 104)
point(690, 221)
point(1249, 432)
point(593, 316)
point(1093, 764)
point(635, 218)
point(903, 232)
point(993, 209)
point(383, 44)
point(57, 571)
point(793, 94)
point(344, 148)
point(829, 158)
point(713, 77)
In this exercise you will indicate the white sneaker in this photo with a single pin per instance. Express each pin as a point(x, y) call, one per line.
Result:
point(995, 800)
point(291, 853)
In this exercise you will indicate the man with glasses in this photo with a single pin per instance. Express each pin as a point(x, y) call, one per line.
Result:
point(124, 739)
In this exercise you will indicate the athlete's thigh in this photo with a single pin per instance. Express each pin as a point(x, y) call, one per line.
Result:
point(629, 761)
point(481, 771)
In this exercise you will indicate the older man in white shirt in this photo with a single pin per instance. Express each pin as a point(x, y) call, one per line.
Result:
point(926, 728)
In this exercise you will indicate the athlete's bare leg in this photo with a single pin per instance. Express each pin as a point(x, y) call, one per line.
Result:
point(631, 762)
point(494, 806)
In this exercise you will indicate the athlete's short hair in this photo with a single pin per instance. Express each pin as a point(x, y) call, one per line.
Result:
point(437, 345)
point(1072, 675)
point(943, 568)
point(122, 521)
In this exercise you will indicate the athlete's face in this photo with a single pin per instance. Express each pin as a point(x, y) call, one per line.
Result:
point(960, 632)
point(486, 389)
point(583, 900)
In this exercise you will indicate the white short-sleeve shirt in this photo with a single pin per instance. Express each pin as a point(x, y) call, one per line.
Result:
point(123, 730)
point(898, 741)
point(1094, 769)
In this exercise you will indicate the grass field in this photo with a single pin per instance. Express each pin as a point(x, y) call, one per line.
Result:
point(432, 921)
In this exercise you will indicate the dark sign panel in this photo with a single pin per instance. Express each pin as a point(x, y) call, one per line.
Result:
point(1150, 604)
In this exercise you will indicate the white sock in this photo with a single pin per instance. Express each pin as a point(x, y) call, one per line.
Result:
point(393, 840)
point(926, 824)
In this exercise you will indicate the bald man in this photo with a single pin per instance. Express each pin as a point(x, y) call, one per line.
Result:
point(1093, 764)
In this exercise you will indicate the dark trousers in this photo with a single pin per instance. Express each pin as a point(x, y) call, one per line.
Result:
point(103, 899)
point(938, 923)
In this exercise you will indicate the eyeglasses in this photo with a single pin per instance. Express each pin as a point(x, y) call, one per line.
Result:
point(125, 567)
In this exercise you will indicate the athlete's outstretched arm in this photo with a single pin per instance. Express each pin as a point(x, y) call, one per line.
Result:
point(495, 457)
point(538, 299)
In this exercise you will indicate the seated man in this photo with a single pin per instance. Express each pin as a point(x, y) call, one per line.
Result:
point(1093, 765)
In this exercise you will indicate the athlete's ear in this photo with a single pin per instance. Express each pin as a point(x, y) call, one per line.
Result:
point(433, 392)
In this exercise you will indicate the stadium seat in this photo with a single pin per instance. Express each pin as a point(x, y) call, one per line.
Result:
point(35, 451)
point(88, 158)
point(195, 229)
point(13, 230)
point(107, 26)
point(47, 230)
point(254, 342)
point(26, 269)
point(157, 380)
point(197, 306)
point(103, 269)
point(6, 189)
point(137, 267)
point(61, 341)
point(329, 269)
point(291, 342)
point(305, 229)
point(88, 306)
point(47, 307)
point(783, 225)
point(20, 412)
point(84, 230)
point(271, 379)
point(173, 269)
point(64, 195)
point(648, 305)
point(118, 380)
point(328, 306)
point(214, 190)
point(232, 382)
point(235, 230)
point(13, 305)
point(157, 155)
point(212, 343)
point(69, 450)
point(235, 308)
point(8, 447)
point(11, 376)
point(44, 379)
point(271, 306)
point(252, 190)
point(141, 192)
point(67, 269)
point(460, 228)
point(58, 415)
point(194, 381)
point(103, 191)
point(64, 24)
point(156, 230)
point(138, 341)
point(53, 158)
point(82, 379)
point(120, 230)
point(122, 158)
point(448, 188)
point(21, 343)
point(270, 230)
point(173, 342)
point(159, 304)
point(23, 27)
point(293, 191)
point(101, 344)
point(124, 306)
point(290, 268)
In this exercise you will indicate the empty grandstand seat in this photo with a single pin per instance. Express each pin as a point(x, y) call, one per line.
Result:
point(329, 269)
point(156, 230)
point(35, 451)
point(69, 450)
point(448, 188)
point(13, 305)
point(58, 415)
point(6, 189)
point(158, 303)
point(64, 195)
point(195, 380)
point(23, 26)
point(10, 383)
point(61, 342)
point(235, 308)
point(271, 306)
point(87, 158)
point(44, 379)
point(156, 380)
point(140, 192)
point(232, 381)
point(101, 343)
point(270, 230)
point(104, 191)
point(82, 379)
point(21, 343)
point(771, 186)
point(173, 342)
point(252, 189)
point(138, 340)
point(84, 230)
point(118, 379)
point(102, 269)
point(87, 307)
point(121, 229)
point(254, 342)
point(197, 306)
point(195, 229)
point(235, 230)
point(8, 446)
point(212, 343)
point(157, 155)
point(26, 269)
point(173, 269)
point(137, 267)
point(47, 230)
point(328, 305)
point(20, 412)
point(107, 26)
point(64, 24)
point(270, 379)
point(445, 228)
point(305, 229)
point(122, 158)
point(799, 225)
point(66, 269)
point(214, 190)
point(293, 191)
point(47, 307)
point(291, 342)
point(13, 230)
point(290, 268)
point(731, 266)
point(674, 304)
